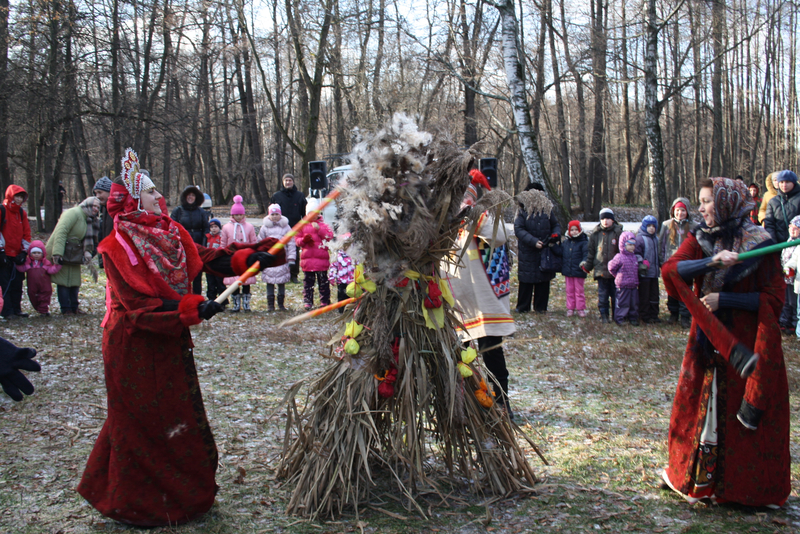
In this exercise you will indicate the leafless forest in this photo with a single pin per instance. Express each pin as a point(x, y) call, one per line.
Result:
point(600, 101)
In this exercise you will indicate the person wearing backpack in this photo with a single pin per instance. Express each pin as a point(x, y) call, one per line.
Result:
point(16, 238)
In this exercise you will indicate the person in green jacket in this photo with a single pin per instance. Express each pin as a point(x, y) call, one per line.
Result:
point(69, 247)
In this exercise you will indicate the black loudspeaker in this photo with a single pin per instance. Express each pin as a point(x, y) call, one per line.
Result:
point(318, 175)
point(489, 169)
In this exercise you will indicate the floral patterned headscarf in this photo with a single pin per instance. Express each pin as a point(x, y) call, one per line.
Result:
point(733, 230)
point(156, 238)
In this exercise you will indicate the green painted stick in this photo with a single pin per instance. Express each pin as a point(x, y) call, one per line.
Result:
point(767, 250)
point(762, 251)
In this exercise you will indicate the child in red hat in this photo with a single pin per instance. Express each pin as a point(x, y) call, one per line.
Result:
point(575, 248)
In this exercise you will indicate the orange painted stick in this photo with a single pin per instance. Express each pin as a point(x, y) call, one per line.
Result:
point(317, 312)
point(310, 217)
point(253, 269)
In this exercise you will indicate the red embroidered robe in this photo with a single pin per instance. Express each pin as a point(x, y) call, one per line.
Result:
point(752, 467)
point(155, 459)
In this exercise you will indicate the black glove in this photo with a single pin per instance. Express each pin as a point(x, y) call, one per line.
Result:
point(19, 259)
point(743, 360)
point(749, 415)
point(169, 305)
point(209, 308)
point(12, 359)
point(265, 259)
point(57, 259)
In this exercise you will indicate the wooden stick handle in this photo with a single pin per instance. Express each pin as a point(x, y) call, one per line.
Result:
point(251, 271)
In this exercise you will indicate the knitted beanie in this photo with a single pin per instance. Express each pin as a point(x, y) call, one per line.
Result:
point(215, 221)
point(606, 213)
point(274, 208)
point(574, 224)
point(796, 221)
point(103, 184)
point(649, 220)
point(238, 207)
point(786, 176)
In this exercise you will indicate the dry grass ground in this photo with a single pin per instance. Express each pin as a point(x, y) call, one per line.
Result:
point(596, 398)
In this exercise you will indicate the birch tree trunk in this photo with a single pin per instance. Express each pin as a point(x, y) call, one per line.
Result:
point(515, 77)
point(652, 112)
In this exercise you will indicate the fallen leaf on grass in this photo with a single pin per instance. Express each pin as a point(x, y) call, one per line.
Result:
point(240, 478)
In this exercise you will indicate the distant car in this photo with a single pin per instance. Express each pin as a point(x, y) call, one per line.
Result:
point(329, 213)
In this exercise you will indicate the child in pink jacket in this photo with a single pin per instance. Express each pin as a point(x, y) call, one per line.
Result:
point(39, 269)
point(238, 230)
point(315, 260)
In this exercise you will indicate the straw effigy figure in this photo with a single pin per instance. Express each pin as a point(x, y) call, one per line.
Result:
point(403, 396)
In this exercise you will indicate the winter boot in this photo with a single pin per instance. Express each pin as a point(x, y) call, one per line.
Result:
point(270, 303)
point(246, 302)
point(604, 318)
point(570, 313)
point(237, 302)
point(281, 307)
point(686, 321)
point(674, 317)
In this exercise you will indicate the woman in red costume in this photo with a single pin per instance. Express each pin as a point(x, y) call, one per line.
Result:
point(154, 461)
point(729, 431)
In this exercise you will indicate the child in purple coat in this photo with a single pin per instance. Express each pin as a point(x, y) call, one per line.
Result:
point(315, 260)
point(625, 269)
point(39, 269)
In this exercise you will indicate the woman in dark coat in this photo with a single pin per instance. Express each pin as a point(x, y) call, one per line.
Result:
point(534, 232)
point(729, 430)
point(194, 220)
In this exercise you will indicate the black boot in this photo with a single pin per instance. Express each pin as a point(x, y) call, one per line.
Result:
point(270, 303)
point(604, 318)
point(281, 307)
point(686, 321)
point(674, 317)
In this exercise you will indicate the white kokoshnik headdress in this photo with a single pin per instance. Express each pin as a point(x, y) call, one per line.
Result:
point(134, 179)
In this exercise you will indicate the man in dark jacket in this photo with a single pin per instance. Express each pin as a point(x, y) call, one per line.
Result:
point(782, 208)
point(603, 246)
point(293, 207)
point(194, 219)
